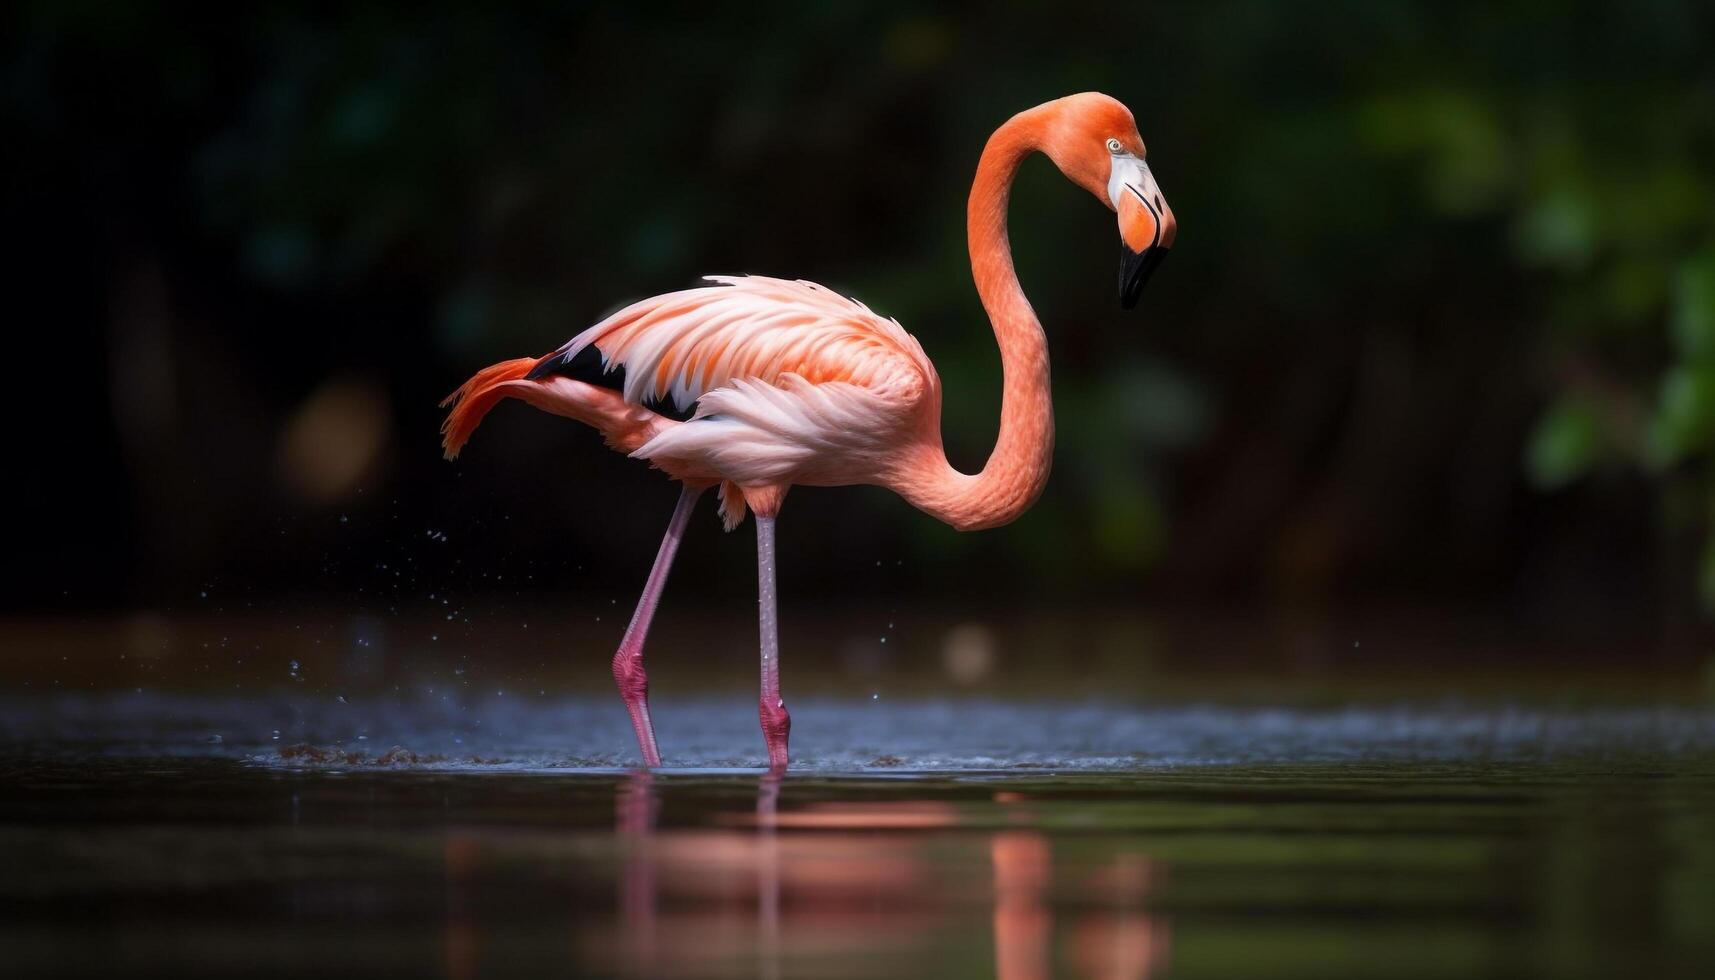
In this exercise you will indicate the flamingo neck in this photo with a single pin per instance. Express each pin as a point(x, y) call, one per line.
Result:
point(1017, 469)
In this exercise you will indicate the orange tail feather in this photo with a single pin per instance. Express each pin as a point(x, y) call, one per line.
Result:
point(475, 397)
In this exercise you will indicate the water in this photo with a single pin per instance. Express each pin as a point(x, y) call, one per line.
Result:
point(174, 835)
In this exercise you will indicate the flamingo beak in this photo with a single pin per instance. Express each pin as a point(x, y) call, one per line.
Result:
point(1147, 225)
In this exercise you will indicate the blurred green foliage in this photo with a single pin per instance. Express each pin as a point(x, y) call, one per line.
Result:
point(1608, 188)
point(1433, 255)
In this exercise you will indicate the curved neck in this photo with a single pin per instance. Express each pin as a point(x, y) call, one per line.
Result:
point(1017, 469)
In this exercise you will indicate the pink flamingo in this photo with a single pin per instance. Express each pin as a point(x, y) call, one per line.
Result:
point(795, 384)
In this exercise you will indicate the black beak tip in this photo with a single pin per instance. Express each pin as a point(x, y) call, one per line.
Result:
point(1135, 270)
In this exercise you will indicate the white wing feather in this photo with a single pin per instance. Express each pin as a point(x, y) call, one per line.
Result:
point(792, 381)
point(685, 344)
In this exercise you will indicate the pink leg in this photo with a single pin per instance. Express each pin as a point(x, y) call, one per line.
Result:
point(776, 723)
point(628, 670)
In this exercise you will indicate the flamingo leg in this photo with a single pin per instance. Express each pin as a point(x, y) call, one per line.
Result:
point(776, 723)
point(628, 670)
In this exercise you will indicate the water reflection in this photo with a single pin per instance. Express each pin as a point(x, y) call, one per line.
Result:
point(768, 872)
point(1125, 940)
point(636, 809)
point(1021, 879)
point(460, 855)
point(196, 869)
point(785, 887)
point(1119, 940)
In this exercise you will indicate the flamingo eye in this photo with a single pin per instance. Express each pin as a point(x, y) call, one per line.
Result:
point(1114, 145)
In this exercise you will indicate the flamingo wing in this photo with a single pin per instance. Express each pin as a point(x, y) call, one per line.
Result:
point(792, 382)
point(685, 344)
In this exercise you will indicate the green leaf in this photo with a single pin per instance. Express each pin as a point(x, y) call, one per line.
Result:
point(1684, 421)
point(1694, 304)
point(1559, 228)
point(1569, 439)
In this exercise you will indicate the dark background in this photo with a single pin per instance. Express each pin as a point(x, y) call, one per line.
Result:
point(1437, 338)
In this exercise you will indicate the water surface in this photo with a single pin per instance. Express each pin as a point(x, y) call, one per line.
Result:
point(178, 836)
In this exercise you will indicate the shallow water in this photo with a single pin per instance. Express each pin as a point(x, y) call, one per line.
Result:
point(174, 836)
point(518, 730)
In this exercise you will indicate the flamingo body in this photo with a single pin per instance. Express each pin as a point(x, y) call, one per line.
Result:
point(794, 384)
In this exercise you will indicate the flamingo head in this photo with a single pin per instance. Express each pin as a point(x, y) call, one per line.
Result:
point(1093, 140)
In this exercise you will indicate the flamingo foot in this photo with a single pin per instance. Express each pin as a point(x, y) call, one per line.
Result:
point(633, 683)
point(776, 729)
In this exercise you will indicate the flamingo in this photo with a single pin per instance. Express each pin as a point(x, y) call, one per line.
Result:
point(794, 384)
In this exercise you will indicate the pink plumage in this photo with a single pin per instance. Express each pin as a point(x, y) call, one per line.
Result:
point(794, 384)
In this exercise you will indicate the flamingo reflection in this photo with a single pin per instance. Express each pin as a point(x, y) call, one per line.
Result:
point(1122, 941)
point(768, 873)
point(823, 863)
point(636, 807)
point(857, 878)
point(1021, 878)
